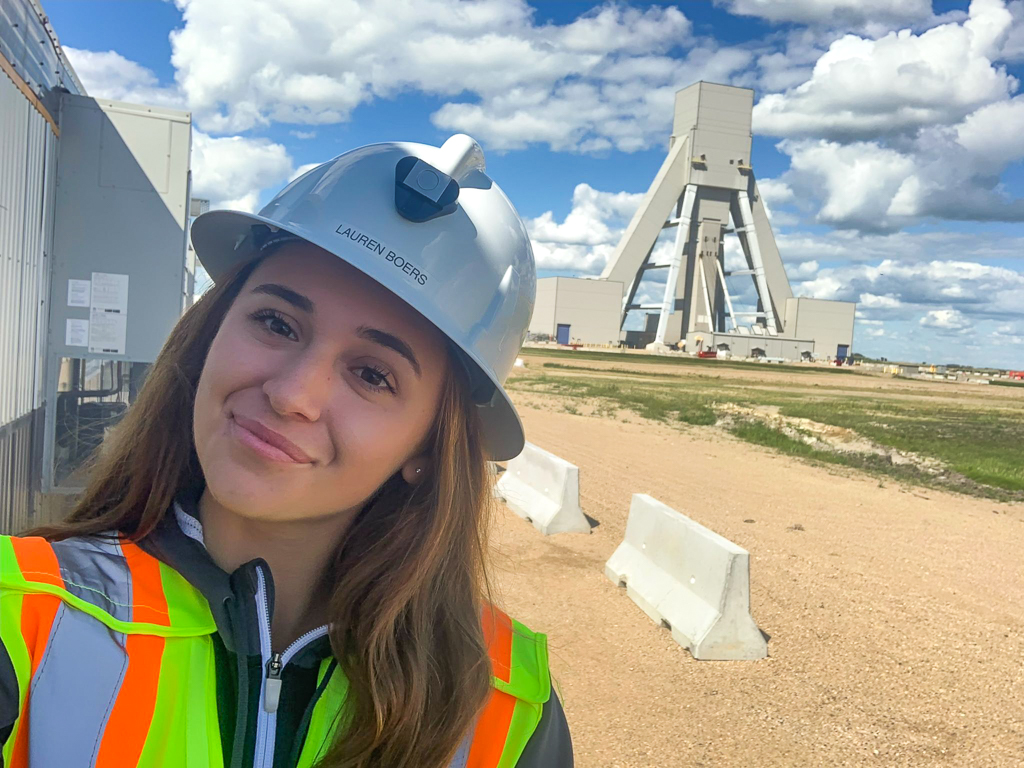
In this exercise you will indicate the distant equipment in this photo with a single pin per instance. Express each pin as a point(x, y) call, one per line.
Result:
point(705, 190)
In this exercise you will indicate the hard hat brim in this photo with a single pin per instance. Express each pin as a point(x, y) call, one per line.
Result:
point(224, 239)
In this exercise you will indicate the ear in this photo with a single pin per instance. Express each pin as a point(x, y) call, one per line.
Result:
point(415, 470)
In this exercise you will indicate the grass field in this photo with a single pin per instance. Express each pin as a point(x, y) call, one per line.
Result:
point(967, 441)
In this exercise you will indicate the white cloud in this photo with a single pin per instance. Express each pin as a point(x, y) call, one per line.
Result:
point(994, 135)
point(109, 75)
point(943, 172)
point(871, 301)
point(774, 191)
point(301, 170)
point(591, 219)
point(804, 271)
point(981, 290)
point(584, 240)
point(845, 246)
point(606, 79)
point(945, 320)
point(231, 171)
point(857, 181)
point(865, 14)
point(1013, 48)
point(863, 88)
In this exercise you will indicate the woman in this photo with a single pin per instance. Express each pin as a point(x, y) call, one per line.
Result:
point(299, 578)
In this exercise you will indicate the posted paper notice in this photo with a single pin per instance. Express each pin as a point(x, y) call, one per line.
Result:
point(79, 293)
point(107, 331)
point(77, 333)
point(110, 291)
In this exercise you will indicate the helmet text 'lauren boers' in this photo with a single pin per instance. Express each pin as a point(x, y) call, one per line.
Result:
point(380, 249)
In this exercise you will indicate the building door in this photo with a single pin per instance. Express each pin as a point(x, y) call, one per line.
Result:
point(843, 351)
point(563, 334)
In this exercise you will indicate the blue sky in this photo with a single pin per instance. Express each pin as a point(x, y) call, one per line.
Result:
point(889, 134)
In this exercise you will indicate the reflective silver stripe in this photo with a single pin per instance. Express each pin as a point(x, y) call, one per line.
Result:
point(462, 756)
point(95, 570)
point(74, 690)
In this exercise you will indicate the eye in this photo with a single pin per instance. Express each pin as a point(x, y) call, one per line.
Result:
point(274, 322)
point(375, 379)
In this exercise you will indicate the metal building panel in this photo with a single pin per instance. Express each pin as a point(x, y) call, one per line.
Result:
point(122, 164)
point(590, 307)
point(543, 319)
point(29, 43)
point(121, 208)
point(23, 268)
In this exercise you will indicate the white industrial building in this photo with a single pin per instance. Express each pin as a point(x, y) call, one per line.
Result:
point(705, 191)
point(574, 310)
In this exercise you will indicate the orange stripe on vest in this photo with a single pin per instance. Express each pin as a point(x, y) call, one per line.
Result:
point(36, 557)
point(128, 726)
point(492, 727)
point(149, 604)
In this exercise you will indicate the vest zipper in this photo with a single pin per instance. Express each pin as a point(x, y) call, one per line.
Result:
point(273, 666)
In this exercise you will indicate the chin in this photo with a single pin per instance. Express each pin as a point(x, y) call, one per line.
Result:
point(253, 497)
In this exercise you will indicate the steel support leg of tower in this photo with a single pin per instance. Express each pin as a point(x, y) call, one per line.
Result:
point(682, 236)
point(755, 258)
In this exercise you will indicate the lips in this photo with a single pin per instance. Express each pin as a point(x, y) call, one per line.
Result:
point(273, 439)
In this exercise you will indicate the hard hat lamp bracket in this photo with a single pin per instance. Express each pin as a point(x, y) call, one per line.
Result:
point(422, 192)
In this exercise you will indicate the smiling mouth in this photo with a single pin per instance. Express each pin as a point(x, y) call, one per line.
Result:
point(266, 442)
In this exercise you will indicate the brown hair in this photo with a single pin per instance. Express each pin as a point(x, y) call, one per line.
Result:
point(406, 585)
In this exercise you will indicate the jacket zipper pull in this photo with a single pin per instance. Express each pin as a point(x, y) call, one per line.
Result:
point(272, 695)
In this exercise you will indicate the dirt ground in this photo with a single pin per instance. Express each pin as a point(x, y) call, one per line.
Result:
point(895, 615)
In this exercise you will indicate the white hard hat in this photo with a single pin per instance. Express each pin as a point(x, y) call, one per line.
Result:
point(428, 224)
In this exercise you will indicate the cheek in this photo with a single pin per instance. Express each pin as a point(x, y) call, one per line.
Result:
point(223, 373)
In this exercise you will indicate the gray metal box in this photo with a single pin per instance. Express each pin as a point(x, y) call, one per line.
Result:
point(120, 223)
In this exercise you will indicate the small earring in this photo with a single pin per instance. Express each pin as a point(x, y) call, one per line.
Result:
point(418, 470)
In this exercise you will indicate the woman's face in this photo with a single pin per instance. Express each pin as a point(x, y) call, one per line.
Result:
point(319, 386)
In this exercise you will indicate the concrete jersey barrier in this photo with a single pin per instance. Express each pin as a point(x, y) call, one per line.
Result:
point(544, 489)
point(688, 577)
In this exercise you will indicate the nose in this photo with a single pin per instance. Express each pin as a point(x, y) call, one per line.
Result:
point(302, 387)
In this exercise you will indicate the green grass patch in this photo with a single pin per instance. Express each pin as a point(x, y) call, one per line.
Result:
point(660, 405)
point(980, 442)
point(995, 383)
point(598, 371)
point(759, 433)
point(986, 446)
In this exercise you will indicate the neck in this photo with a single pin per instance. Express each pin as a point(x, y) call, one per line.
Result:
point(297, 552)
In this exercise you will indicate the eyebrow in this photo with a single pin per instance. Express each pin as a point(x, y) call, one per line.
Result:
point(377, 336)
point(297, 300)
point(390, 341)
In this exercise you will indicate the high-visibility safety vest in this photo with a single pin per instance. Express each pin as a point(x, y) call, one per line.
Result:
point(114, 658)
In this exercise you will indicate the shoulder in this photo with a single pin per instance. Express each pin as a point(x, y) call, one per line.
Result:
point(108, 577)
point(519, 657)
point(550, 745)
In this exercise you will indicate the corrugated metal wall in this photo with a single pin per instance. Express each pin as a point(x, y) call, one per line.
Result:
point(27, 165)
